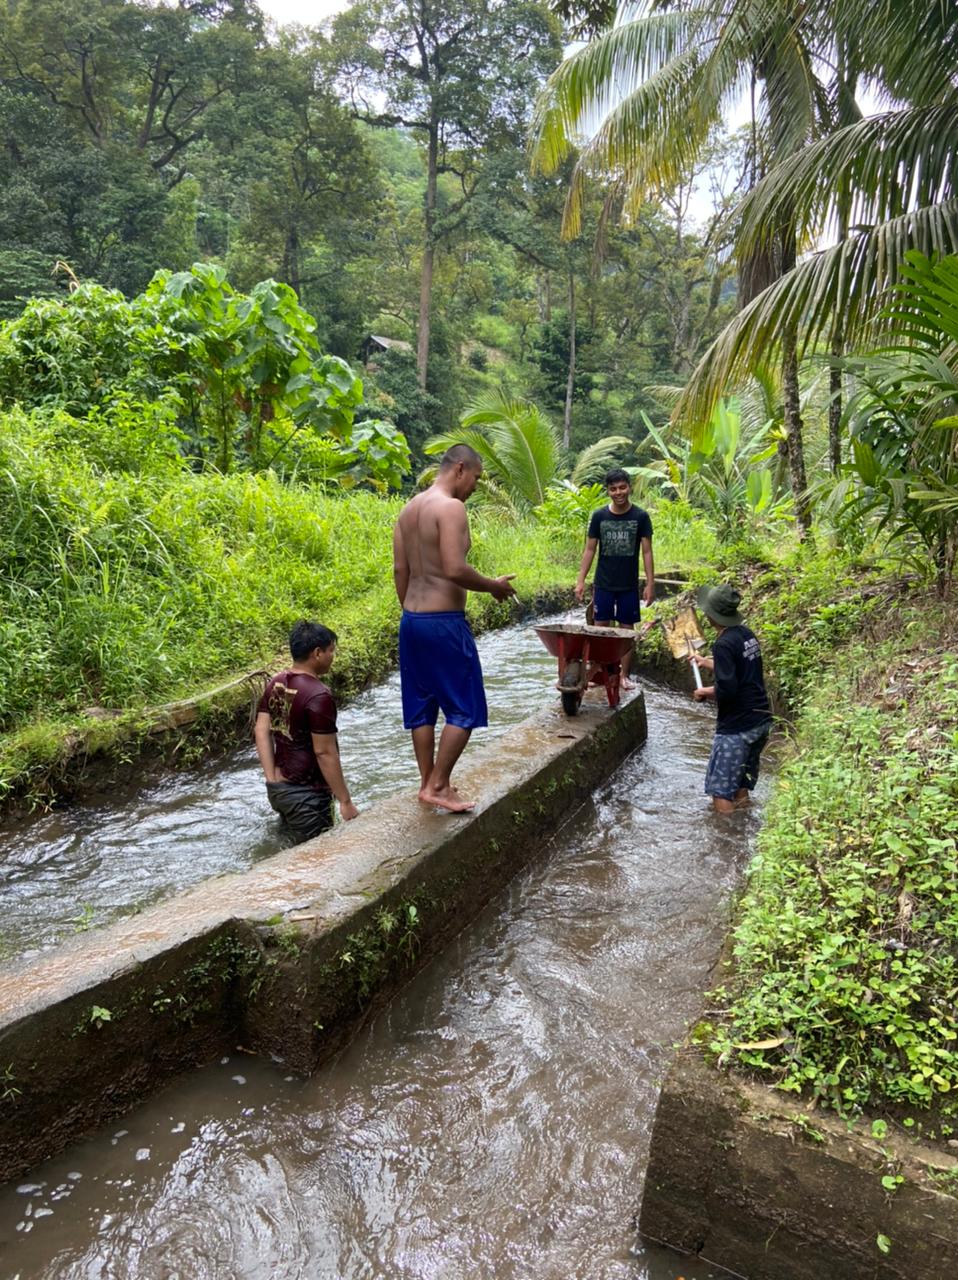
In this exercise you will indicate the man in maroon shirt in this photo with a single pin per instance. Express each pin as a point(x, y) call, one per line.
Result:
point(296, 737)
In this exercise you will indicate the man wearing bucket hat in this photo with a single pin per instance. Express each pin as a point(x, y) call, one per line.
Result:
point(744, 712)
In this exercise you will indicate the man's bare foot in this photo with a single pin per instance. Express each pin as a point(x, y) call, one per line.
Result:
point(447, 798)
point(626, 684)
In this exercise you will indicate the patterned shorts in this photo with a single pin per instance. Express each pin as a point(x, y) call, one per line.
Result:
point(733, 763)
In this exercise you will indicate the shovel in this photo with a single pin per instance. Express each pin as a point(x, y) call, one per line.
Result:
point(684, 637)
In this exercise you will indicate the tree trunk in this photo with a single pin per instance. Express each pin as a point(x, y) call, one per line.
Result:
point(835, 400)
point(794, 434)
point(291, 270)
point(794, 428)
point(848, 113)
point(570, 381)
point(428, 256)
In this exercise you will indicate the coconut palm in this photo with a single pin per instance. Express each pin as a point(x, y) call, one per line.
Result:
point(659, 83)
point(885, 185)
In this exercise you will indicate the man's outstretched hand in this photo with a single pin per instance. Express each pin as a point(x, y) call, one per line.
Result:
point(502, 587)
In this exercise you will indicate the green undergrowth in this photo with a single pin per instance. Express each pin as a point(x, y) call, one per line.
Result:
point(347, 584)
point(128, 581)
point(843, 975)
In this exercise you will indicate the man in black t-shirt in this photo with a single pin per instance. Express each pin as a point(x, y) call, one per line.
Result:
point(296, 737)
point(619, 531)
point(744, 718)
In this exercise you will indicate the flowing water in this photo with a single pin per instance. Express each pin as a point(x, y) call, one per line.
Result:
point(85, 864)
point(491, 1123)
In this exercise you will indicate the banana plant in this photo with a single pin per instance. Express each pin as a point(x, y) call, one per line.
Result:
point(722, 469)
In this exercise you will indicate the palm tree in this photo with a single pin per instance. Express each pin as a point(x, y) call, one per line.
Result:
point(889, 181)
point(660, 81)
point(521, 452)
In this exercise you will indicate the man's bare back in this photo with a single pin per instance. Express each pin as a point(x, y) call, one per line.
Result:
point(426, 524)
point(439, 667)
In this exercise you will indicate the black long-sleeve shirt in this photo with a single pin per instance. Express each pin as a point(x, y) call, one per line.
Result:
point(739, 682)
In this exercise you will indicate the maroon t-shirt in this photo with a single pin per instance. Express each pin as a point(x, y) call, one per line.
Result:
point(298, 706)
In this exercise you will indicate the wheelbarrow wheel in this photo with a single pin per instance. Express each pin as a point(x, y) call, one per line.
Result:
point(570, 687)
point(571, 700)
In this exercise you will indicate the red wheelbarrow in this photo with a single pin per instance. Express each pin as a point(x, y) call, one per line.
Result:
point(587, 655)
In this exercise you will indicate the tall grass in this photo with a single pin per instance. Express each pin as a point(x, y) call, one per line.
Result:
point(118, 587)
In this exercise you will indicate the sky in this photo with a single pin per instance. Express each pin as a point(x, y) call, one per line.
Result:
point(310, 13)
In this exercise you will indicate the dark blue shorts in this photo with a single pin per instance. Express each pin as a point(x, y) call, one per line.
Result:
point(733, 763)
point(439, 670)
point(616, 606)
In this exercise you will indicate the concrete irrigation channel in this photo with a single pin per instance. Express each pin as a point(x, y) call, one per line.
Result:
point(284, 958)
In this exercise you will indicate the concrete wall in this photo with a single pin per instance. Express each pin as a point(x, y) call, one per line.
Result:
point(283, 959)
point(753, 1181)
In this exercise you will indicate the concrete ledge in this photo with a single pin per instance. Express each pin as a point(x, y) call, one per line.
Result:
point(752, 1181)
point(283, 959)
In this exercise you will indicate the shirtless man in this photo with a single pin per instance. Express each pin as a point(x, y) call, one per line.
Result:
point(438, 661)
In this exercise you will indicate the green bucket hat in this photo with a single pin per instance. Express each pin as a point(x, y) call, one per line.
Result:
point(720, 604)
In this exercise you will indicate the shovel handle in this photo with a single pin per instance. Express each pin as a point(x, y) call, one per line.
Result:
point(695, 671)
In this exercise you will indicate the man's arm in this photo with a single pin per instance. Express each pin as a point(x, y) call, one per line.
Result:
point(588, 555)
point(453, 530)
point(648, 595)
point(326, 748)
point(400, 565)
point(264, 745)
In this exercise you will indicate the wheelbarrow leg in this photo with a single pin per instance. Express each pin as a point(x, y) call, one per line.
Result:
point(613, 685)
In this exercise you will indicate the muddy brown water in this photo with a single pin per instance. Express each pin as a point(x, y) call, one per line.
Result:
point(491, 1123)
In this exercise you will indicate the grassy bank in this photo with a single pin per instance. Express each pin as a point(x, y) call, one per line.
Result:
point(130, 582)
point(270, 556)
point(844, 970)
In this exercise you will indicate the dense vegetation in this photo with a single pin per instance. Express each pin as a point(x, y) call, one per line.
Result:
point(843, 974)
point(141, 137)
point(206, 223)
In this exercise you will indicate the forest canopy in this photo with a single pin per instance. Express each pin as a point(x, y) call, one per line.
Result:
point(391, 192)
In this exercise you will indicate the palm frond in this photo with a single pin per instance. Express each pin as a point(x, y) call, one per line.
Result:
point(590, 83)
point(598, 458)
point(791, 89)
point(887, 163)
point(475, 439)
point(667, 396)
point(519, 444)
point(908, 47)
point(851, 279)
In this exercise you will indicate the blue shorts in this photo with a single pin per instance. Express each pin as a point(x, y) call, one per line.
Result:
point(616, 606)
point(439, 670)
point(733, 763)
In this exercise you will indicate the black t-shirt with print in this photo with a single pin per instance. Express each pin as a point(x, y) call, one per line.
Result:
point(619, 539)
point(739, 682)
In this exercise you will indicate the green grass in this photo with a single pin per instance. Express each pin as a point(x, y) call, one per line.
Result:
point(845, 948)
point(124, 588)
